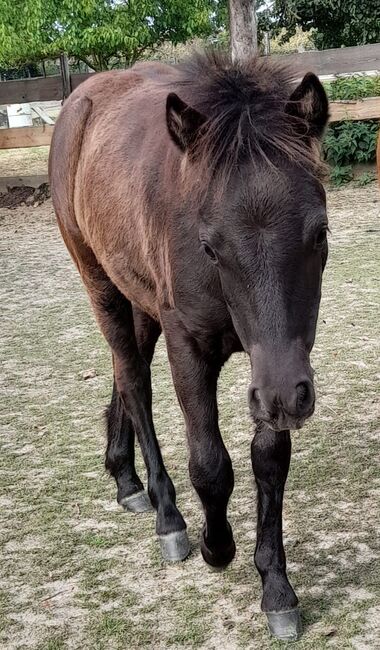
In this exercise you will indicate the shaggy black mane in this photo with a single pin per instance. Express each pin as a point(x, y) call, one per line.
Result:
point(244, 105)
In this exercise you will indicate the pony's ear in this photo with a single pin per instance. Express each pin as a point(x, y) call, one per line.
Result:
point(309, 102)
point(183, 121)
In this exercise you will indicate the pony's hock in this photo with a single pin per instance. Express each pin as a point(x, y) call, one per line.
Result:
point(197, 210)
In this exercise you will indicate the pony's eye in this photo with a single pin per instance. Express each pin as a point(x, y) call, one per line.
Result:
point(209, 252)
point(321, 237)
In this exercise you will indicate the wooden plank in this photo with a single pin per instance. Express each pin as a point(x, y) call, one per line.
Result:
point(361, 109)
point(43, 115)
point(38, 136)
point(27, 136)
point(77, 79)
point(323, 62)
point(39, 89)
point(335, 61)
point(31, 90)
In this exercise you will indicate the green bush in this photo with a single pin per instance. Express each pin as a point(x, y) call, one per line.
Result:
point(349, 142)
point(355, 87)
point(341, 175)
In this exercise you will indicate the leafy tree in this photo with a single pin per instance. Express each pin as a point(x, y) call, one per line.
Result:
point(98, 32)
point(338, 22)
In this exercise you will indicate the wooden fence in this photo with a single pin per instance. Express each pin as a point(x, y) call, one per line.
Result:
point(326, 62)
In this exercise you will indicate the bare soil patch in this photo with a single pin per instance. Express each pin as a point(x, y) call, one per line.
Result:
point(24, 195)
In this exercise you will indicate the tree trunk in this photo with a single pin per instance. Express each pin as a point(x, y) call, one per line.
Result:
point(243, 29)
point(65, 75)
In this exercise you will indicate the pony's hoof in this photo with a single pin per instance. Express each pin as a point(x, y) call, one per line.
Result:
point(137, 502)
point(285, 626)
point(175, 546)
point(218, 559)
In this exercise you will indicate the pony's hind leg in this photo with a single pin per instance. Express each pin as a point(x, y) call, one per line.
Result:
point(132, 380)
point(133, 383)
point(120, 457)
point(120, 454)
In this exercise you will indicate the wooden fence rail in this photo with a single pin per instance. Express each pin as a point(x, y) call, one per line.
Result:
point(38, 136)
point(360, 109)
point(23, 91)
point(335, 61)
point(342, 60)
point(26, 136)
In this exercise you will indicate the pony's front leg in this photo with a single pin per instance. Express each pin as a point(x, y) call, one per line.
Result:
point(195, 375)
point(270, 452)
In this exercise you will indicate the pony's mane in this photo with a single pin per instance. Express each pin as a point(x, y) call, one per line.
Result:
point(244, 105)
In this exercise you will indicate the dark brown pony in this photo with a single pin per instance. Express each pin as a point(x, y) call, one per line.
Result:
point(189, 199)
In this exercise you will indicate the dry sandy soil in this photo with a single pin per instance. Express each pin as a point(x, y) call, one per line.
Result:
point(24, 162)
point(78, 572)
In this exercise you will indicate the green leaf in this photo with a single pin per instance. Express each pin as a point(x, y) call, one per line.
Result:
point(98, 30)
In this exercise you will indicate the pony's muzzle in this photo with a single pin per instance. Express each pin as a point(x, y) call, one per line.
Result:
point(285, 408)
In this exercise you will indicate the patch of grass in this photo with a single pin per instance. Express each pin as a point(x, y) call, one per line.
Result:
point(56, 643)
point(93, 570)
point(120, 633)
point(192, 626)
point(98, 541)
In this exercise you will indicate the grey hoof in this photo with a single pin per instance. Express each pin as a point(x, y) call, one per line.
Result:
point(175, 546)
point(137, 502)
point(285, 626)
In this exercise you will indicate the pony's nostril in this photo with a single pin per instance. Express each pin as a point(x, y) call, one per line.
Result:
point(253, 396)
point(305, 396)
point(302, 391)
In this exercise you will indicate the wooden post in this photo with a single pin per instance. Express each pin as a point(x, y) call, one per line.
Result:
point(266, 44)
point(243, 29)
point(65, 75)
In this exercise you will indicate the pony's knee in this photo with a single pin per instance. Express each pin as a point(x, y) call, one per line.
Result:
point(212, 475)
point(134, 385)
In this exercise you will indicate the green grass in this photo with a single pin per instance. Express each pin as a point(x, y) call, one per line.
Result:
point(57, 643)
point(78, 572)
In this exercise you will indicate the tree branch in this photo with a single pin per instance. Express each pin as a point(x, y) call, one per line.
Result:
point(89, 63)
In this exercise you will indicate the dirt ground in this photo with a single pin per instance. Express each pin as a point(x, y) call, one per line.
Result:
point(24, 162)
point(78, 572)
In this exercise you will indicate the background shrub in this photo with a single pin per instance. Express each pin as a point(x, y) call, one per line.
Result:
point(355, 87)
point(349, 142)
